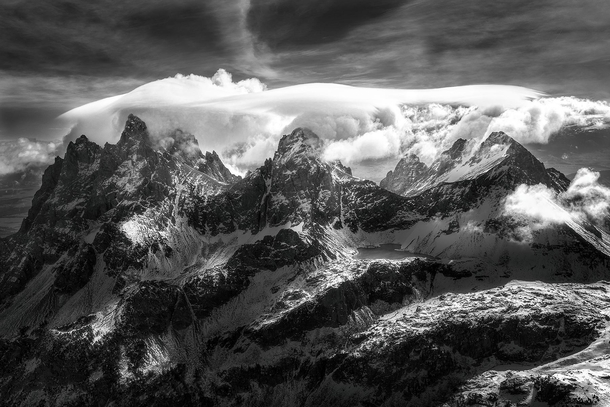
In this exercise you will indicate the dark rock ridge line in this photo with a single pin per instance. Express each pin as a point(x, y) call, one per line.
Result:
point(462, 167)
point(147, 274)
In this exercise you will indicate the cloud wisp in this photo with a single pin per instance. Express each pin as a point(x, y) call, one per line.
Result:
point(18, 155)
point(585, 202)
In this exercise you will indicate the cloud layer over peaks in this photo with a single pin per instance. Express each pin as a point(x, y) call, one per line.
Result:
point(56, 55)
point(243, 121)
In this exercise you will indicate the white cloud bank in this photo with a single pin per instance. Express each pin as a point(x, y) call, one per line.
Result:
point(536, 203)
point(243, 121)
point(17, 155)
point(587, 196)
point(586, 200)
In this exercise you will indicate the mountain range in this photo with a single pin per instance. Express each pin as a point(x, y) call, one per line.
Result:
point(146, 273)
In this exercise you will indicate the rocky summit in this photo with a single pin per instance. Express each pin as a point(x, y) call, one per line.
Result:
point(146, 274)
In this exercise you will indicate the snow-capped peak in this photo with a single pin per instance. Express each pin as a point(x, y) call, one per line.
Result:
point(463, 162)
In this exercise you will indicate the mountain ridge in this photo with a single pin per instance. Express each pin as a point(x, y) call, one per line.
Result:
point(146, 280)
point(457, 164)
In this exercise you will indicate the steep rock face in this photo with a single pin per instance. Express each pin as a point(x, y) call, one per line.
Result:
point(54, 217)
point(408, 172)
point(499, 161)
point(186, 146)
point(147, 274)
point(93, 190)
point(302, 187)
point(50, 179)
point(296, 188)
point(212, 165)
point(151, 306)
point(211, 288)
point(404, 356)
point(461, 202)
point(142, 205)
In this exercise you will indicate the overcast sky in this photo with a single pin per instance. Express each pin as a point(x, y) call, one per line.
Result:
point(56, 55)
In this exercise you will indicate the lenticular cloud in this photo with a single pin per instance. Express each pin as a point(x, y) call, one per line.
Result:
point(243, 121)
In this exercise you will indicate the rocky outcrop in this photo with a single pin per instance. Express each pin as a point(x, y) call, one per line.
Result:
point(147, 274)
point(419, 353)
point(73, 274)
point(295, 188)
point(467, 173)
point(408, 172)
point(151, 307)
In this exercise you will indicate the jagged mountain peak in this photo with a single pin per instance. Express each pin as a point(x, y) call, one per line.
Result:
point(500, 141)
point(299, 134)
point(81, 144)
point(408, 171)
point(81, 139)
point(80, 154)
point(211, 164)
point(182, 144)
point(301, 142)
point(152, 284)
point(499, 137)
point(500, 149)
point(135, 130)
point(492, 158)
point(411, 158)
point(211, 155)
point(337, 164)
point(457, 149)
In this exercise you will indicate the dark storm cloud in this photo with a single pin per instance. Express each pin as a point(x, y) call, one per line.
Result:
point(285, 23)
point(192, 26)
point(104, 38)
point(56, 55)
point(28, 103)
point(557, 46)
point(43, 36)
point(22, 121)
point(472, 24)
point(64, 53)
point(385, 42)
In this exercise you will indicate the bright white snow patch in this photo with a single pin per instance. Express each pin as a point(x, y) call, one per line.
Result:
point(135, 231)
